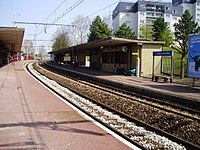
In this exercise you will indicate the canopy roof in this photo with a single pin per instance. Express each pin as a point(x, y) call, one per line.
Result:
point(104, 42)
point(12, 37)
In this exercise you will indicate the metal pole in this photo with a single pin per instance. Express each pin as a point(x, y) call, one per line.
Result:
point(129, 53)
point(172, 67)
point(153, 69)
point(138, 66)
point(193, 82)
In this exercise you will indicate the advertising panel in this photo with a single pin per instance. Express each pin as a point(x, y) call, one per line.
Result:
point(194, 56)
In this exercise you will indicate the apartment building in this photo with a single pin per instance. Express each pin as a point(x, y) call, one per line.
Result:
point(145, 12)
point(192, 5)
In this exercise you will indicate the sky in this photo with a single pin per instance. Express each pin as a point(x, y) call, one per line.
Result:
point(44, 11)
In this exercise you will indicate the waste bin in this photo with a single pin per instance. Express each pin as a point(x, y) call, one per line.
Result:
point(131, 72)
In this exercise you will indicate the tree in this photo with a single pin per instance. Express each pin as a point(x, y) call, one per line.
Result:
point(80, 30)
point(61, 39)
point(42, 52)
point(125, 31)
point(28, 48)
point(99, 30)
point(183, 28)
point(159, 27)
point(146, 32)
point(166, 36)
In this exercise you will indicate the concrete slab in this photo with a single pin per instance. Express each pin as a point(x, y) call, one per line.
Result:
point(33, 118)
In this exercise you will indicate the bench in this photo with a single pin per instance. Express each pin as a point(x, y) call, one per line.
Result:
point(157, 78)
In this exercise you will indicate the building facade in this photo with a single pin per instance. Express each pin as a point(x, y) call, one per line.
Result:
point(107, 54)
point(145, 12)
point(10, 43)
point(192, 5)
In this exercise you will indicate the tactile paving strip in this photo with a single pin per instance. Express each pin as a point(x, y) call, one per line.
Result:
point(66, 117)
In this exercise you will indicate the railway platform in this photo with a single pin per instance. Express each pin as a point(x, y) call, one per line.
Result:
point(177, 93)
point(31, 117)
point(178, 90)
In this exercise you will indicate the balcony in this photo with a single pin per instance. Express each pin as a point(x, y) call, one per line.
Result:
point(160, 10)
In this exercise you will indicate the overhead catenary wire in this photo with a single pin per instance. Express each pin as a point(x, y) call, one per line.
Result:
point(101, 10)
point(47, 25)
point(35, 34)
point(63, 14)
point(39, 23)
point(55, 10)
point(68, 10)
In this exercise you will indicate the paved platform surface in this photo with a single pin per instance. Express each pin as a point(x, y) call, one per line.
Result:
point(33, 118)
point(190, 93)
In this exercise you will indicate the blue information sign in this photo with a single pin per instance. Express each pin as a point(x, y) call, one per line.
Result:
point(163, 53)
point(194, 56)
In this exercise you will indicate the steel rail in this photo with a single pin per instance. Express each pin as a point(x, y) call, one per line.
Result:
point(160, 132)
point(90, 115)
point(96, 81)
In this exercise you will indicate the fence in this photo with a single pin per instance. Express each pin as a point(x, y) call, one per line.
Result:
point(166, 67)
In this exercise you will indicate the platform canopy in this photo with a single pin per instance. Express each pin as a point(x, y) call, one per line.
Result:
point(12, 37)
point(102, 43)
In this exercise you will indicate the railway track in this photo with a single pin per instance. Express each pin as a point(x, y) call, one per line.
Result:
point(162, 120)
point(163, 105)
point(123, 89)
point(176, 110)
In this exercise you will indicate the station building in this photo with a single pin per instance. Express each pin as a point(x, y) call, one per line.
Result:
point(108, 53)
point(10, 43)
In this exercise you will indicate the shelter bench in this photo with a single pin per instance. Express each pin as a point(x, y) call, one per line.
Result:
point(157, 78)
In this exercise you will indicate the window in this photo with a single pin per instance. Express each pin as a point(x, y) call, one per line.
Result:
point(159, 7)
point(141, 21)
point(120, 57)
point(128, 15)
point(175, 11)
point(150, 8)
point(114, 57)
point(168, 23)
point(167, 16)
point(142, 13)
point(159, 15)
point(149, 15)
point(150, 22)
point(108, 57)
point(167, 8)
point(128, 7)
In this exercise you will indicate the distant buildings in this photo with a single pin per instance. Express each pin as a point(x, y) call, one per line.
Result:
point(146, 12)
point(192, 5)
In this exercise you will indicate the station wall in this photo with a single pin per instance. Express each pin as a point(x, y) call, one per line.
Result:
point(147, 59)
point(106, 58)
point(112, 56)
